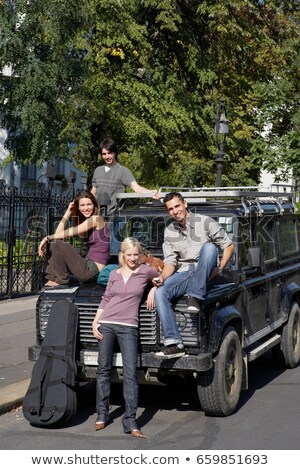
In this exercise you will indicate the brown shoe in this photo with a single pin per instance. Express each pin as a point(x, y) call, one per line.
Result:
point(137, 433)
point(99, 425)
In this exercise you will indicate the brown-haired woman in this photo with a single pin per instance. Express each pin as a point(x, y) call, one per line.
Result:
point(64, 258)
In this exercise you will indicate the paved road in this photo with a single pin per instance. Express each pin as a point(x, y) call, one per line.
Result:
point(17, 333)
point(268, 416)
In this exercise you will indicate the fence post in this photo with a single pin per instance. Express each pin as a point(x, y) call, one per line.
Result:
point(51, 219)
point(11, 241)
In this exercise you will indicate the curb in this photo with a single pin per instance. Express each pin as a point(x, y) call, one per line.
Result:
point(11, 396)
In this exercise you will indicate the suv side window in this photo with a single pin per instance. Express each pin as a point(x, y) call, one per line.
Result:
point(260, 231)
point(227, 223)
point(244, 241)
point(266, 238)
point(287, 234)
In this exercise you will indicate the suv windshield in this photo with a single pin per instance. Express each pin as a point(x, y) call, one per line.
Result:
point(149, 230)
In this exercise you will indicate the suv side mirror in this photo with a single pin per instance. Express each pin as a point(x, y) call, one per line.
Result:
point(254, 256)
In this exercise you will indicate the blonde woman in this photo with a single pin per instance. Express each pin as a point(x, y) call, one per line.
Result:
point(64, 258)
point(117, 318)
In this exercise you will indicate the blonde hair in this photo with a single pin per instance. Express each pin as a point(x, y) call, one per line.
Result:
point(127, 243)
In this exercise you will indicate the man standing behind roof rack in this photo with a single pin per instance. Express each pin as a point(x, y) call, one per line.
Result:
point(112, 178)
point(191, 259)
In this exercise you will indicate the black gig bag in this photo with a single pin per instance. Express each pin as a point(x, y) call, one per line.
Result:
point(51, 397)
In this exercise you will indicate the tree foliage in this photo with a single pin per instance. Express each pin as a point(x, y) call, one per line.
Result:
point(150, 73)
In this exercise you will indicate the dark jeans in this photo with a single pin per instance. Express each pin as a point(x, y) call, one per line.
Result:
point(65, 259)
point(127, 337)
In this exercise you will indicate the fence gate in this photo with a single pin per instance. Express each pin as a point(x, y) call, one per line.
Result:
point(26, 215)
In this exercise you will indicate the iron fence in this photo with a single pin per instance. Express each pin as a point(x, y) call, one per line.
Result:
point(26, 215)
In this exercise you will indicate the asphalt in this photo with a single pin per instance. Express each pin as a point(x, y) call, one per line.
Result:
point(17, 333)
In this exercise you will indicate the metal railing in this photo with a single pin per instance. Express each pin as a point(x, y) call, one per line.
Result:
point(26, 215)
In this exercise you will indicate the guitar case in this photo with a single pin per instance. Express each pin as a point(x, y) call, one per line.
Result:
point(51, 397)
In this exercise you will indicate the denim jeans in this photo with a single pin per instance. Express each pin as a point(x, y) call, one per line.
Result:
point(127, 337)
point(192, 282)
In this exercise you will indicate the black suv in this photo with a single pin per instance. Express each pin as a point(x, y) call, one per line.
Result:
point(251, 308)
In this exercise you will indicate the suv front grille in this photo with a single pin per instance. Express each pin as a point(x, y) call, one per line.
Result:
point(149, 328)
point(148, 324)
point(86, 316)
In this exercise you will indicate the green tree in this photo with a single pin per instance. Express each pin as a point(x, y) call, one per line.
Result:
point(150, 73)
point(42, 42)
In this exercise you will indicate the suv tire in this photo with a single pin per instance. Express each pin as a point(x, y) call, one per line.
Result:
point(287, 353)
point(219, 388)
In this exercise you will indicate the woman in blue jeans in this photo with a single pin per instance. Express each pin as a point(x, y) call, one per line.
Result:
point(117, 318)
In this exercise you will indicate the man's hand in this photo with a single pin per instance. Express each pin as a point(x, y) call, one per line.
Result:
point(215, 272)
point(156, 195)
point(158, 281)
point(167, 271)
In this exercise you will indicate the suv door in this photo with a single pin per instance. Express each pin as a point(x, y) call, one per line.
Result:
point(267, 241)
point(255, 287)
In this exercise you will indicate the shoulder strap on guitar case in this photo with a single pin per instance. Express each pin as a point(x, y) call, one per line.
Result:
point(51, 397)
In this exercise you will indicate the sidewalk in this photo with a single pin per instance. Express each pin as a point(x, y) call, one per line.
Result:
point(17, 333)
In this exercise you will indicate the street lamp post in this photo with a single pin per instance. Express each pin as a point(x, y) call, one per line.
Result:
point(221, 130)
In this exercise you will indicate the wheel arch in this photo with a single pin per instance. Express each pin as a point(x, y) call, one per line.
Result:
point(291, 294)
point(224, 317)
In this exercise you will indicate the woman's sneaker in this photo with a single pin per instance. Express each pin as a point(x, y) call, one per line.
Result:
point(171, 351)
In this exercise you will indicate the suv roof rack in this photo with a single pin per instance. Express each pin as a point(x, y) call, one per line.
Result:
point(274, 191)
point(218, 192)
point(247, 195)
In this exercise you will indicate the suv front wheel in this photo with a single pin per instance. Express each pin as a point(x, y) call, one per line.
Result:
point(219, 388)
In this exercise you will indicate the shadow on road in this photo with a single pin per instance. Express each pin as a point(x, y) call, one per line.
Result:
point(260, 373)
point(179, 394)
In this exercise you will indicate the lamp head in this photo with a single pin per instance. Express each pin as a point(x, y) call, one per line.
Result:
point(221, 126)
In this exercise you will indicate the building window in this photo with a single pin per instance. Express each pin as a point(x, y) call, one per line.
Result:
point(28, 172)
